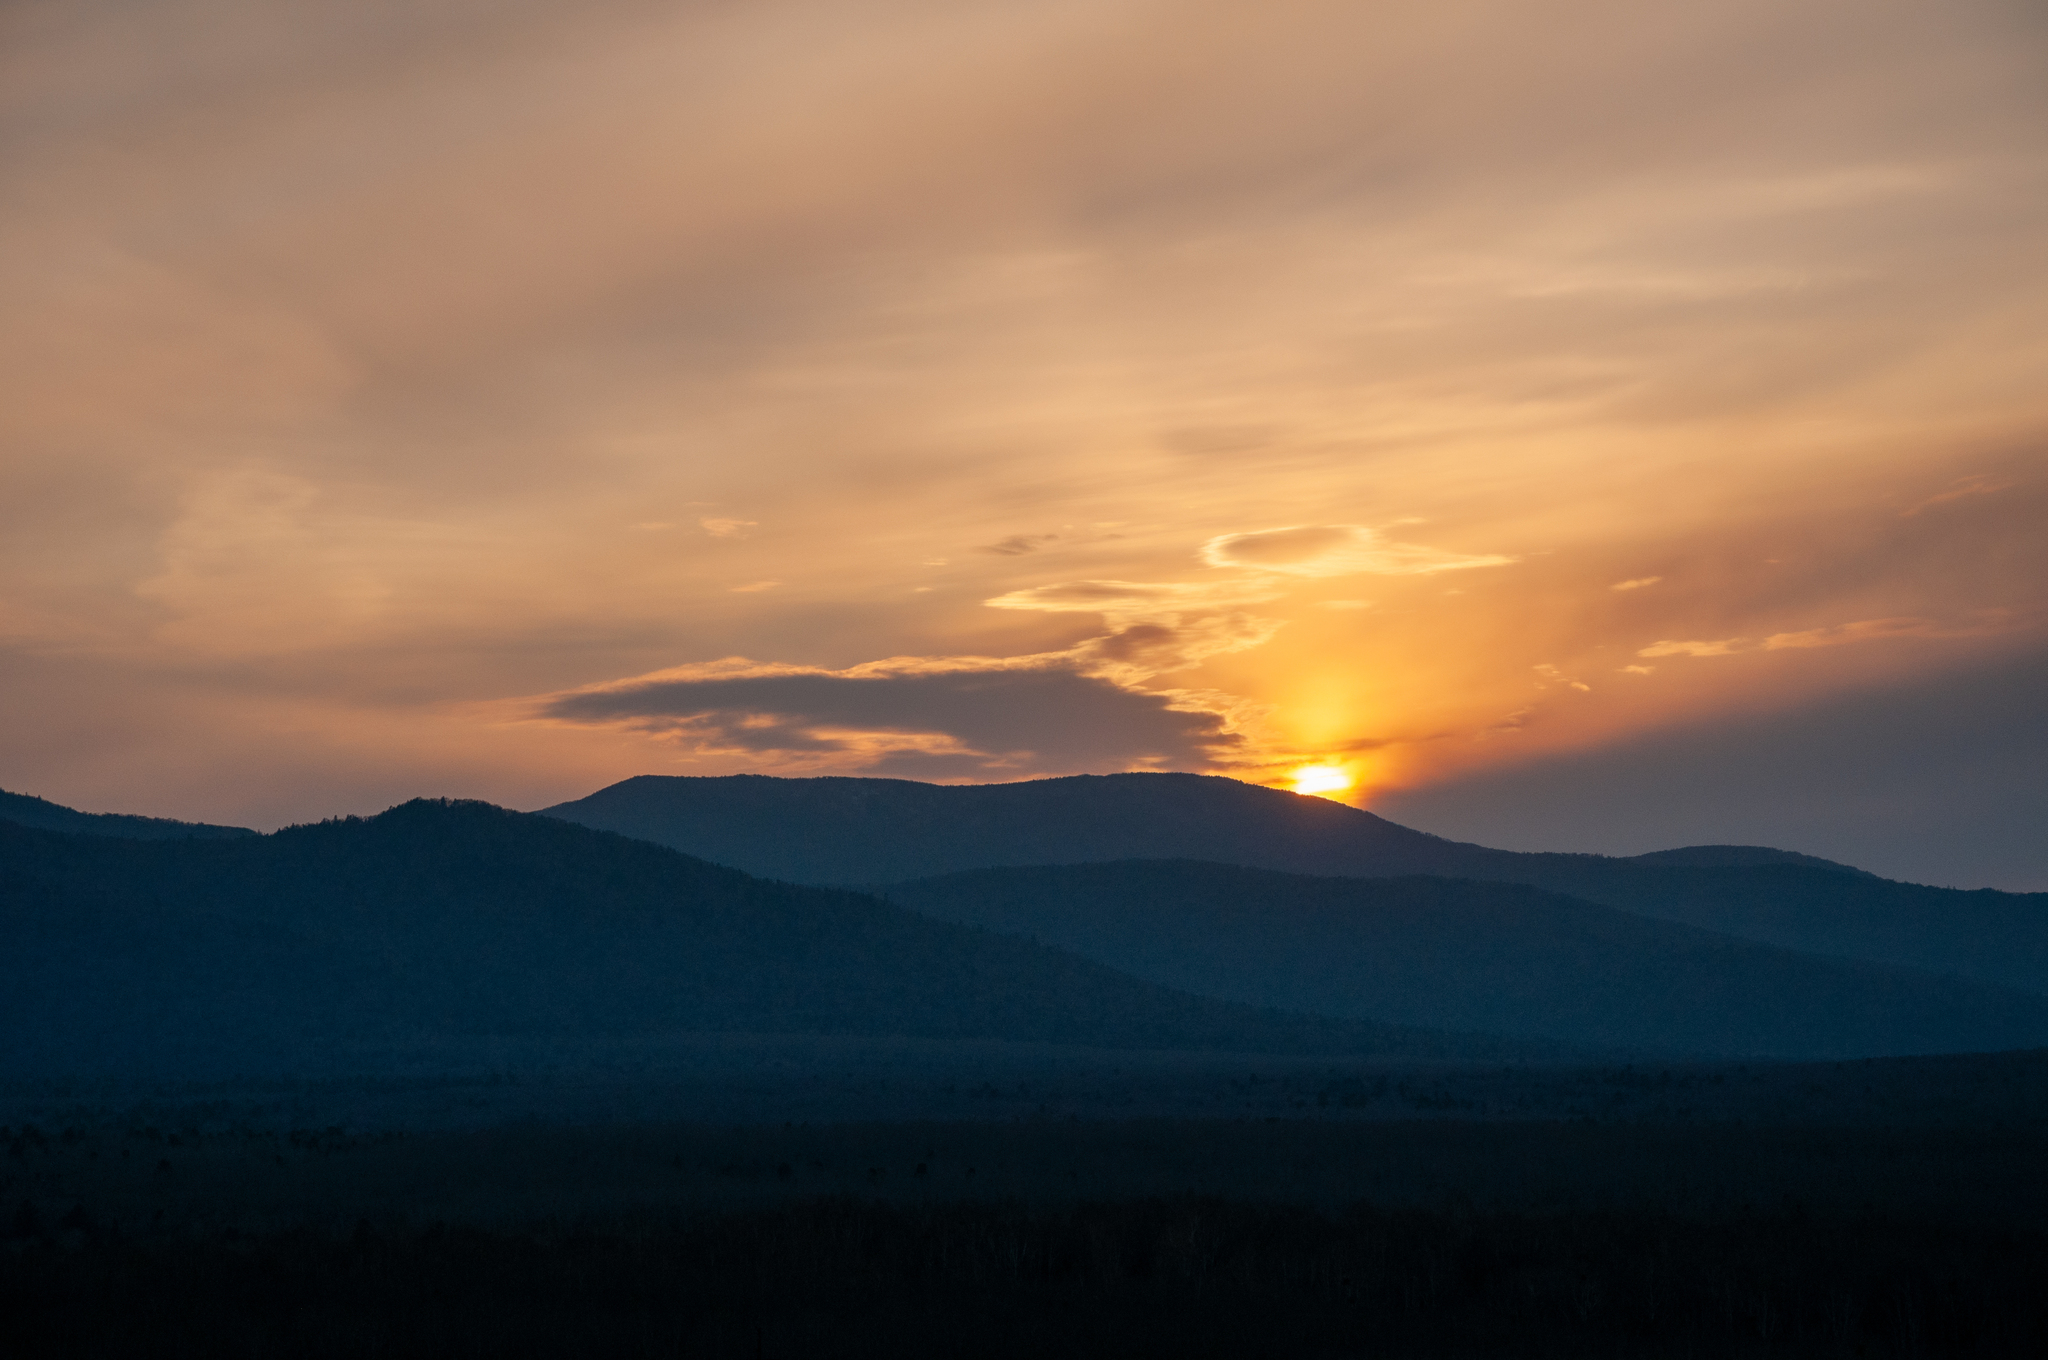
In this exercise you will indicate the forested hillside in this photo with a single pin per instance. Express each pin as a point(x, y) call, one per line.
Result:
point(27, 810)
point(1475, 955)
point(462, 918)
point(865, 831)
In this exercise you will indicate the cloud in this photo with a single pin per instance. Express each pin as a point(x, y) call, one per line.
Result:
point(755, 587)
point(1155, 627)
point(1016, 545)
point(1134, 600)
point(964, 716)
point(728, 528)
point(1551, 675)
point(1139, 651)
point(1334, 550)
point(1961, 489)
point(1636, 584)
point(1724, 647)
point(1862, 630)
point(1084, 708)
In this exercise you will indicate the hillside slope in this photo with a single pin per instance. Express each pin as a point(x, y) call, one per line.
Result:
point(466, 919)
point(846, 830)
point(859, 831)
point(25, 809)
point(1462, 954)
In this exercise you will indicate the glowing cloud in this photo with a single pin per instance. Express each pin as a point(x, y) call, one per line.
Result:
point(1863, 630)
point(1335, 550)
point(1135, 599)
point(1724, 647)
point(1836, 635)
point(927, 717)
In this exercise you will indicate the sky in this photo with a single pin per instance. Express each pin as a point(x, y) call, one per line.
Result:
point(1584, 424)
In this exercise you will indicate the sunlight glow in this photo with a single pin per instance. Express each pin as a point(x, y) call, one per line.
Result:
point(1321, 779)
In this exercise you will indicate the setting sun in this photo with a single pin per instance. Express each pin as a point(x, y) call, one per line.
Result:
point(1321, 779)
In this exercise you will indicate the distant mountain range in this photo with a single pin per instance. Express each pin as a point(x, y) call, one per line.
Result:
point(1466, 955)
point(1164, 911)
point(877, 831)
point(888, 830)
point(254, 953)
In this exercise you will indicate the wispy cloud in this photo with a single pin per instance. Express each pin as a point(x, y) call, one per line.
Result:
point(1836, 635)
point(1670, 647)
point(1335, 550)
point(1134, 600)
point(1864, 630)
point(1961, 489)
point(1551, 675)
point(1016, 545)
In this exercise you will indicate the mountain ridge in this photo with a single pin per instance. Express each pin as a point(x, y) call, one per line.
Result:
point(1469, 954)
point(856, 831)
point(25, 809)
point(463, 918)
point(1084, 819)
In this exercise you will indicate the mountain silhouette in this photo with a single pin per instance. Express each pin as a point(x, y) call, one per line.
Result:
point(887, 830)
point(872, 831)
point(1995, 938)
point(1736, 857)
point(25, 809)
point(453, 918)
point(1461, 954)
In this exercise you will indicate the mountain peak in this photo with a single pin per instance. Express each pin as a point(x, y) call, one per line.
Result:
point(843, 829)
point(1738, 856)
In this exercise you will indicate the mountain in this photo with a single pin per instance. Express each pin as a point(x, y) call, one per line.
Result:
point(847, 830)
point(27, 810)
point(1737, 856)
point(1996, 938)
point(439, 918)
point(1460, 954)
point(866, 831)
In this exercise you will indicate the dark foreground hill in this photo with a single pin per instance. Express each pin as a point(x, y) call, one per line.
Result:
point(864, 831)
point(464, 919)
point(27, 810)
point(1462, 954)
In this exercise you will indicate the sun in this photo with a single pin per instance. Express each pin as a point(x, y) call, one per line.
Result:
point(1321, 779)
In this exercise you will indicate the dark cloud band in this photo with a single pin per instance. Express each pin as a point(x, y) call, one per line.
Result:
point(1016, 720)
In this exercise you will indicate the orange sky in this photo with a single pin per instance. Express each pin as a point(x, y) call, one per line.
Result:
point(501, 400)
